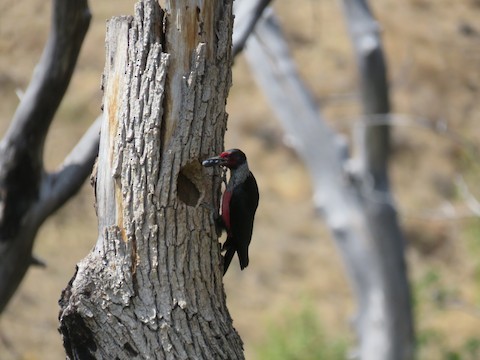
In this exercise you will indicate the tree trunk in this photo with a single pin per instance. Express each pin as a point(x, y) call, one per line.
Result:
point(152, 286)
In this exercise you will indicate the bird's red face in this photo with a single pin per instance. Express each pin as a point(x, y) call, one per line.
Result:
point(231, 159)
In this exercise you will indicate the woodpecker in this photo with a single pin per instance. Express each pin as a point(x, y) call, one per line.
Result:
point(239, 203)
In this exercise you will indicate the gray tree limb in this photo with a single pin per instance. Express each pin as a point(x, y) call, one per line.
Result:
point(61, 185)
point(152, 286)
point(247, 14)
point(374, 92)
point(22, 176)
point(373, 152)
point(364, 225)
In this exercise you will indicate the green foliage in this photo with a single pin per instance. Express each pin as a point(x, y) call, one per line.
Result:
point(472, 348)
point(470, 232)
point(300, 336)
point(432, 293)
point(432, 345)
point(431, 289)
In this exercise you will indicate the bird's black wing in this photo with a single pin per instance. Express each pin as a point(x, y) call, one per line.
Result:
point(243, 205)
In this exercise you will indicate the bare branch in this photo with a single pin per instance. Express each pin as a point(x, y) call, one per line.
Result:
point(374, 147)
point(60, 186)
point(52, 75)
point(291, 100)
point(247, 14)
point(394, 327)
point(21, 150)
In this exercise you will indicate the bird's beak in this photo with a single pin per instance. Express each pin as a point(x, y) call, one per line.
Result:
point(215, 161)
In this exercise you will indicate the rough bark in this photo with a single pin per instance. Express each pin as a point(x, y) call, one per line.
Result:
point(28, 194)
point(152, 286)
point(354, 199)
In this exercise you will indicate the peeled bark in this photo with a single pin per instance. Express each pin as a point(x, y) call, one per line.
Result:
point(152, 286)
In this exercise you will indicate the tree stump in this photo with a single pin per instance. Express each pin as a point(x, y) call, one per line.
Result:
point(152, 286)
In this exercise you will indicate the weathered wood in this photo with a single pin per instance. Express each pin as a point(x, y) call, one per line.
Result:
point(28, 194)
point(152, 286)
point(247, 14)
point(360, 215)
point(385, 324)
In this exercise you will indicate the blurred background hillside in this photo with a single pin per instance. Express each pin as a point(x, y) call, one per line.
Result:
point(295, 285)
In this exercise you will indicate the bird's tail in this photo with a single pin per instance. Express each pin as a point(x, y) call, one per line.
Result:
point(243, 257)
point(227, 259)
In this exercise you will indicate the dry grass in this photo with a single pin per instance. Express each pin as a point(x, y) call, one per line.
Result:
point(433, 53)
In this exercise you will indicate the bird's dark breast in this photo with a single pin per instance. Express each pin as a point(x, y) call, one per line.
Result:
point(227, 196)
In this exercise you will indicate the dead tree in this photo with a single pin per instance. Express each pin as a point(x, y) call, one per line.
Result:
point(352, 194)
point(152, 286)
point(387, 290)
point(29, 194)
